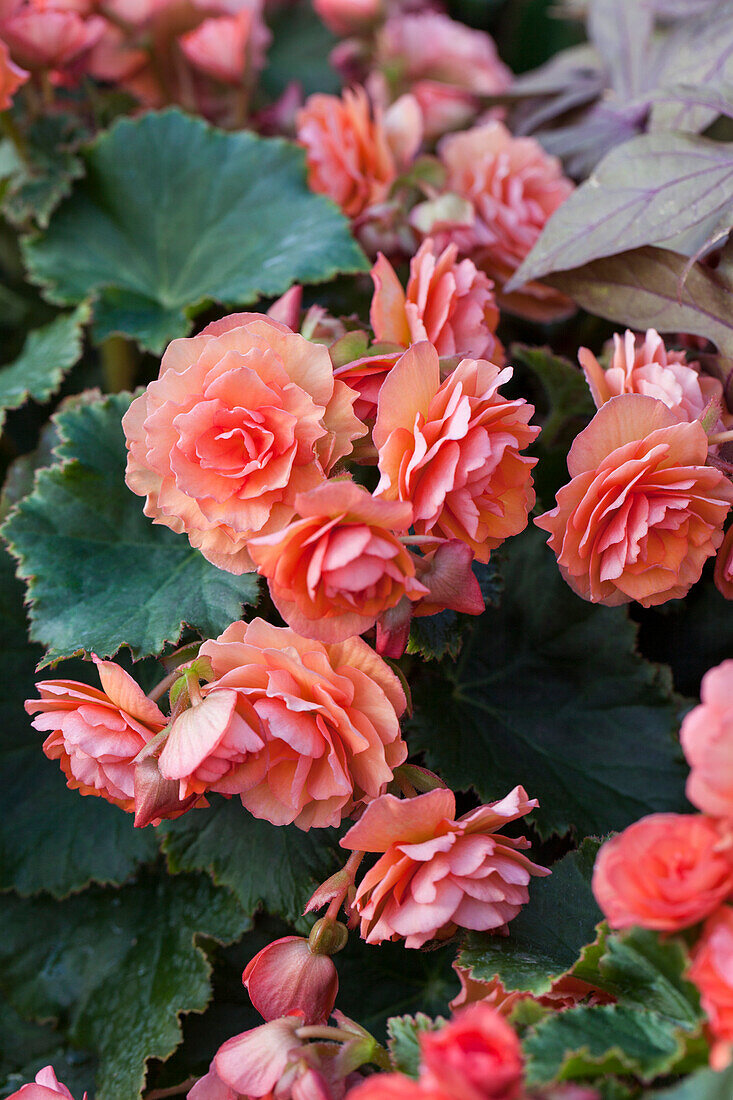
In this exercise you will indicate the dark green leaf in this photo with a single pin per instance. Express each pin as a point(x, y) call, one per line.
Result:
point(404, 1044)
point(159, 241)
point(547, 937)
point(100, 574)
point(276, 867)
point(567, 391)
point(648, 190)
point(38, 183)
point(117, 968)
point(299, 51)
point(25, 1048)
point(47, 356)
point(549, 692)
point(703, 1085)
point(51, 838)
point(582, 1043)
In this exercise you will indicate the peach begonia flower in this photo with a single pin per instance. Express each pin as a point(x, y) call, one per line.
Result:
point(349, 16)
point(354, 154)
point(48, 34)
point(333, 572)
point(642, 364)
point(219, 46)
point(302, 732)
point(366, 375)
point(45, 1087)
point(724, 566)
point(448, 302)
point(476, 1056)
point(565, 992)
point(96, 735)
point(12, 77)
point(287, 977)
point(514, 187)
point(665, 872)
point(707, 742)
point(642, 512)
point(446, 65)
point(241, 419)
point(452, 449)
point(436, 873)
point(712, 973)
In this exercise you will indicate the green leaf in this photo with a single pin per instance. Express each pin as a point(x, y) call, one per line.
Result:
point(264, 865)
point(549, 692)
point(645, 971)
point(703, 1085)
point(404, 1040)
point(655, 288)
point(299, 51)
point(546, 939)
point(48, 355)
point(37, 184)
point(117, 968)
point(587, 1043)
point(569, 399)
point(100, 574)
point(648, 190)
point(25, 1048)
point(51, 838)
point(151, 237)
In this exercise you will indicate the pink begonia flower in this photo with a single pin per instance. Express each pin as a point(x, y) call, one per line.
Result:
point(711, 973)
point(12, 77)
point(642, 364)
point(707, 742)
point(665, 872)
point(476, 1056)
point(349, 16)
point(354, 154)
point(452, 449)
point(565, 992)
point(48, 34)
point(446, 65)
point(96, 735)
point(303, 732)
point(287, 977)
point(46, 1087)
point(395, 1086)
point(242, 418)
point(724, 566)
point(219, 46)
point(366, 376)
point(642, 512)
point(447, 302)
point(514, 187)
point(333, 572)
point(438, 874)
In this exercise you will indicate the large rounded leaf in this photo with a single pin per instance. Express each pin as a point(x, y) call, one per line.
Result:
point(173, 213)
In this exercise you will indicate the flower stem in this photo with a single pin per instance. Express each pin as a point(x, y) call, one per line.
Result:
point(174, 1090)
point(720, 437)
point(160, 689)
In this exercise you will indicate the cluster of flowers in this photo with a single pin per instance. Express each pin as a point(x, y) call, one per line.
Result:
point(669, 872)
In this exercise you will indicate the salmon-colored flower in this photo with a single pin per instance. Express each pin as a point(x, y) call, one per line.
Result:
point(642, 364)
point(707, 741)
point(303, 732)
point(724, 566)
point(241, 419)
point(642, 512)
point(46, 1087)
point(349, 16)
point(712, 973)
point(565, 992)
point(12, 77)
point(448, 302)
point(665, 872)
point(366, 375)
point(446, 65)
point(287, 977)
point(354, 154)
point(96, 735)
point(514, 187)
point(476, 1056)
point(48, 34)
point(452, 449)
point(437, 873)
point(332, 573)
point(394, 1086)
point(220, 46)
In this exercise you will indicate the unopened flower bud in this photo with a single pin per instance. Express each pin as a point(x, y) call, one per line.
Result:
point(328, 936)
point(157, 798)
point(287, 976)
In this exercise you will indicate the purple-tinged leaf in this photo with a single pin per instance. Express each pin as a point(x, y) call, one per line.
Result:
point(697, 52)
point(647, 288)
point(717, 99)
point(621, 31)
point(647, 191)
point(583, 145)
